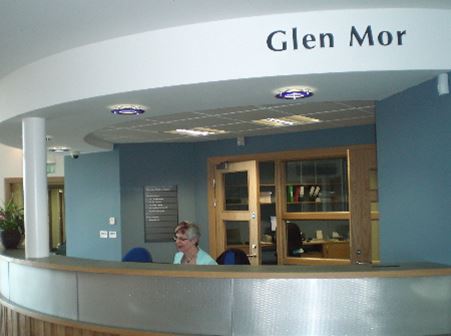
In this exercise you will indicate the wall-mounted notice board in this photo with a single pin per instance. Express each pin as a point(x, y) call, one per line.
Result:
point(160, 213)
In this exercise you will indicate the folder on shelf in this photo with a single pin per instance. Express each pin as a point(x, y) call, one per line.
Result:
point(290, 193)
point(297, 194)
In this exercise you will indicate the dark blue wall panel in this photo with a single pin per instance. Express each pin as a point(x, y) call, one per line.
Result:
point(185, 165)
point(156, 165)
point(111, 184)
point(92, 196)
point(414, 165)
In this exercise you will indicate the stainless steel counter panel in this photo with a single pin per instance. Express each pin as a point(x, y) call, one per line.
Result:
point(48, 291)
point(228, 300)
point(180, 305)
point(376, 306)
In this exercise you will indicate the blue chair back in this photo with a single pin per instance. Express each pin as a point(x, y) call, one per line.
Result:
point(138, 254)
point(233, 256)
point(229, 258)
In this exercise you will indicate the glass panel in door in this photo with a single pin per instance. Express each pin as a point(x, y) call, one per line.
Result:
point(237, 234)
point(236, 191)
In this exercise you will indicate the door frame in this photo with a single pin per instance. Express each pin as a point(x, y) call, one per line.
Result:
point(52, 182)
point(8, 181)
point(358, 185)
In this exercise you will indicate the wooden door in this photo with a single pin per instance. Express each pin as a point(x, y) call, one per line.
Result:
point(361, 162)
point(237, 210)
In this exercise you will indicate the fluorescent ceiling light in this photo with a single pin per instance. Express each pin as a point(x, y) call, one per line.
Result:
point(197, 131)
point(277, 122)
point(58, 149)
point(300, 119)
point(287, 121)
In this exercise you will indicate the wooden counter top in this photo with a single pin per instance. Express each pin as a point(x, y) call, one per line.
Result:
point(63, 263)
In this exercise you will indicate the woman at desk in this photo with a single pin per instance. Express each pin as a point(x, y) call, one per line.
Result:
point(186, 237)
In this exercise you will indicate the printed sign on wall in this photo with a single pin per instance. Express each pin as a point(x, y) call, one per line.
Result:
point(160, 213)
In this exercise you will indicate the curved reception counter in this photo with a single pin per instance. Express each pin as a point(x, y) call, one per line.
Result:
point(67, 296)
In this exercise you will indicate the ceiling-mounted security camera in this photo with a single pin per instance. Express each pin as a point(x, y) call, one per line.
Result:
point(75, 154)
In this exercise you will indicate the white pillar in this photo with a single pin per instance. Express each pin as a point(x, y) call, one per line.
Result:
point(35, 188)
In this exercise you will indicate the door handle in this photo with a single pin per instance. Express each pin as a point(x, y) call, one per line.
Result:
point(362, 262)
point(253, 255)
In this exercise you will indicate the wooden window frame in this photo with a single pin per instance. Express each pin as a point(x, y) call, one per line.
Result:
point(361, 158)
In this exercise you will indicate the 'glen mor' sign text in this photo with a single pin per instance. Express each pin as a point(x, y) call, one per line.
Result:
point(281, 40)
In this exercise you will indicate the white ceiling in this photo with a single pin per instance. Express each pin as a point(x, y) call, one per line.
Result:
point(31, 30)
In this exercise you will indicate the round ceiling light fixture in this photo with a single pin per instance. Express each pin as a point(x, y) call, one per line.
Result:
point(127, 109)
point(293, 93)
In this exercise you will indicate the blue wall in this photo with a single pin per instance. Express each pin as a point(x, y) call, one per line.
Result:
point(156, 165)
point(92, 196)
point(185, 165)
point(111, 184)
point(414, 167)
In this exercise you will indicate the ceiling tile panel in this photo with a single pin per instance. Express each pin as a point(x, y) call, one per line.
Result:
point(257, 114)
point(228, 110)
point(309, 108)
point(201, 122)
point(242, 127)
point(339, 115)
point(175, 116)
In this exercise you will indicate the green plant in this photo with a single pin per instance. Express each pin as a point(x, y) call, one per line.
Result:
point(11, 217)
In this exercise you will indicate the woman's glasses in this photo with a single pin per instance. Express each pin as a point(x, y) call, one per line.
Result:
point(183, 239)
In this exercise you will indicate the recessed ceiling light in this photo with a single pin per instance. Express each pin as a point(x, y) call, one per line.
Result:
point(197, 131)
point(58, 149)
point(293, 93)
point(127, 109)
point(287, 121)
point(276, 122)
point(301, 119)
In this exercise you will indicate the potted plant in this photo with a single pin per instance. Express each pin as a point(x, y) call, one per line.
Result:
point(11, 224)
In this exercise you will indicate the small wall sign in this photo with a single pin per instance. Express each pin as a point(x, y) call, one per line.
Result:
point(160, 213)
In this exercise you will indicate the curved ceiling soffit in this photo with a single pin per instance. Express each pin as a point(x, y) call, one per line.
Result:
point(210, 52)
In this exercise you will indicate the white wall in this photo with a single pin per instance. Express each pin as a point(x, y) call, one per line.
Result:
point(11, 166)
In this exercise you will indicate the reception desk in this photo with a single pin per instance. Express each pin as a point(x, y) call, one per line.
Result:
point(68, 296)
